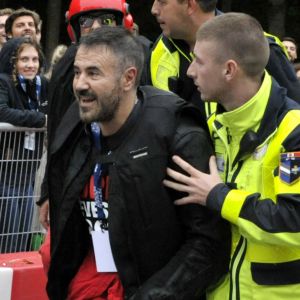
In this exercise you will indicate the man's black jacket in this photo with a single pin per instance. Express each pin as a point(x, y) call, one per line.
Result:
point(161, 251)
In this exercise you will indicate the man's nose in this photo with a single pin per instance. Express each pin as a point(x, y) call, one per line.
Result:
point(189, 71)
point(80, 83)
point(154, 10)
point(96, 24)
point(27, 26)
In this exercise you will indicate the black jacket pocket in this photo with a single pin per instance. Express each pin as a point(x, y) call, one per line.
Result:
point(276, 274)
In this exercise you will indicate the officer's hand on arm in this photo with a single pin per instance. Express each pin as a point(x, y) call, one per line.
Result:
point(197, 185)
point(44, 214)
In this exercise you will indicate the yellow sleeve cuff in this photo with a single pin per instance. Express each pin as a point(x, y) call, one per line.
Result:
point(233, 204)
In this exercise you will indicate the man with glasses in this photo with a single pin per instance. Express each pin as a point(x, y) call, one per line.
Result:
point(95, 20)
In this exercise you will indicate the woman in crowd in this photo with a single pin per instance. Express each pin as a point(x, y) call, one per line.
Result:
point(23, 103)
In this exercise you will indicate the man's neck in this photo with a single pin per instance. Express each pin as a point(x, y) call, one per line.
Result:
point(198, 20)
point(125, 108)
point(241, 93)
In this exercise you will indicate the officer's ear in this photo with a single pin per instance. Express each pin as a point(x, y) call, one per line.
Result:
point(230, 69)
point(129, 78)
point(192, 6)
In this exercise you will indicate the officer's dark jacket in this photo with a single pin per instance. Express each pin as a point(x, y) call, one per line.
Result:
point(161, 251)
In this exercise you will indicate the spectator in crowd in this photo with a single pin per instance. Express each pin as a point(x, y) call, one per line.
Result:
point(22, 22)
point(107, 161)
point(23, 103)
point(83, 17)
point(291, 47)
point(171, 55)
point(4, 14)
point(256, 136)
point(58, 53)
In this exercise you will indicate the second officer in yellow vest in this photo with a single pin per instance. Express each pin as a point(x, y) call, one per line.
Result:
point(171, 54)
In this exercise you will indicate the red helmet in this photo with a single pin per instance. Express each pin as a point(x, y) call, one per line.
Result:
point(79, 7)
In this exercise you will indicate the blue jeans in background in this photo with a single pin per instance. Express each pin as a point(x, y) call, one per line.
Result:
point(16, 209)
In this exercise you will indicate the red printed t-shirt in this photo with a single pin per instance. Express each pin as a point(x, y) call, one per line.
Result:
point(88, 283)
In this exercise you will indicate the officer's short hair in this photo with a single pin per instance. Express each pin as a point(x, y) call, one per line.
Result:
point(239, 37)
point(121, 42)
point(19, 13)
point(205, 5)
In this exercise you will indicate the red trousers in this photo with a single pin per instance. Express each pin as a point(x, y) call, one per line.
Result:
point(88, 283)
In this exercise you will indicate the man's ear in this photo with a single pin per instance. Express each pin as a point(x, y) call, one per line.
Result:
point(192, 6)
point(129, 78)
point(230, 69)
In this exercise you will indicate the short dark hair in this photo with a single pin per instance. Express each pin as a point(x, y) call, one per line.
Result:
point(240, 37)
point(19, 13)
point(208, 5)
point(205, 5)
point(121, 42)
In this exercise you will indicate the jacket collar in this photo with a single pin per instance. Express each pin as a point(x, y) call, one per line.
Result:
point(68, 123)
point(274, 112)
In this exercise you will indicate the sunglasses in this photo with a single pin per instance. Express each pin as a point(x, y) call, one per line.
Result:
point(88, 21)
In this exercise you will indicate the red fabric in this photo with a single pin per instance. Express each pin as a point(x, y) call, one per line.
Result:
point(45, 252)
point(88, 284)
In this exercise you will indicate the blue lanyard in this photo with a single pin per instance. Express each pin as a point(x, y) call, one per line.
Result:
point(98, 173)
point(38, 87)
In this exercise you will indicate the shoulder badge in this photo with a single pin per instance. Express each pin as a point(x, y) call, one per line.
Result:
point(289, 169)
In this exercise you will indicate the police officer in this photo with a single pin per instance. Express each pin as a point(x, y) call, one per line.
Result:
point(256, 135)
point(172, 52)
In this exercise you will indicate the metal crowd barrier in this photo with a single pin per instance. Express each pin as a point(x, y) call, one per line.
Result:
point(21, 172)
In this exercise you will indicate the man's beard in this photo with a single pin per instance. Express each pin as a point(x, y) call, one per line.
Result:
point(105, 108)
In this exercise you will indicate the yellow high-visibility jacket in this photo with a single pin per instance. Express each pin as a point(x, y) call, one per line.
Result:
point(256, 149)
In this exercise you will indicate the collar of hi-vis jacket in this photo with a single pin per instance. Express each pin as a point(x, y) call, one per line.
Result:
point(249, 115)
point(269, 106)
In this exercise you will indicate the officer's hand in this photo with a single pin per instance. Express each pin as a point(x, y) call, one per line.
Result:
point(44, 214)
point(197, 185)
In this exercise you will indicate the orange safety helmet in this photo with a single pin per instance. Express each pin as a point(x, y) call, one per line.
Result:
point(80, 7)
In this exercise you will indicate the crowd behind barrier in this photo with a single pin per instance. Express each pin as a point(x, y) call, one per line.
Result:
point(21, 173)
